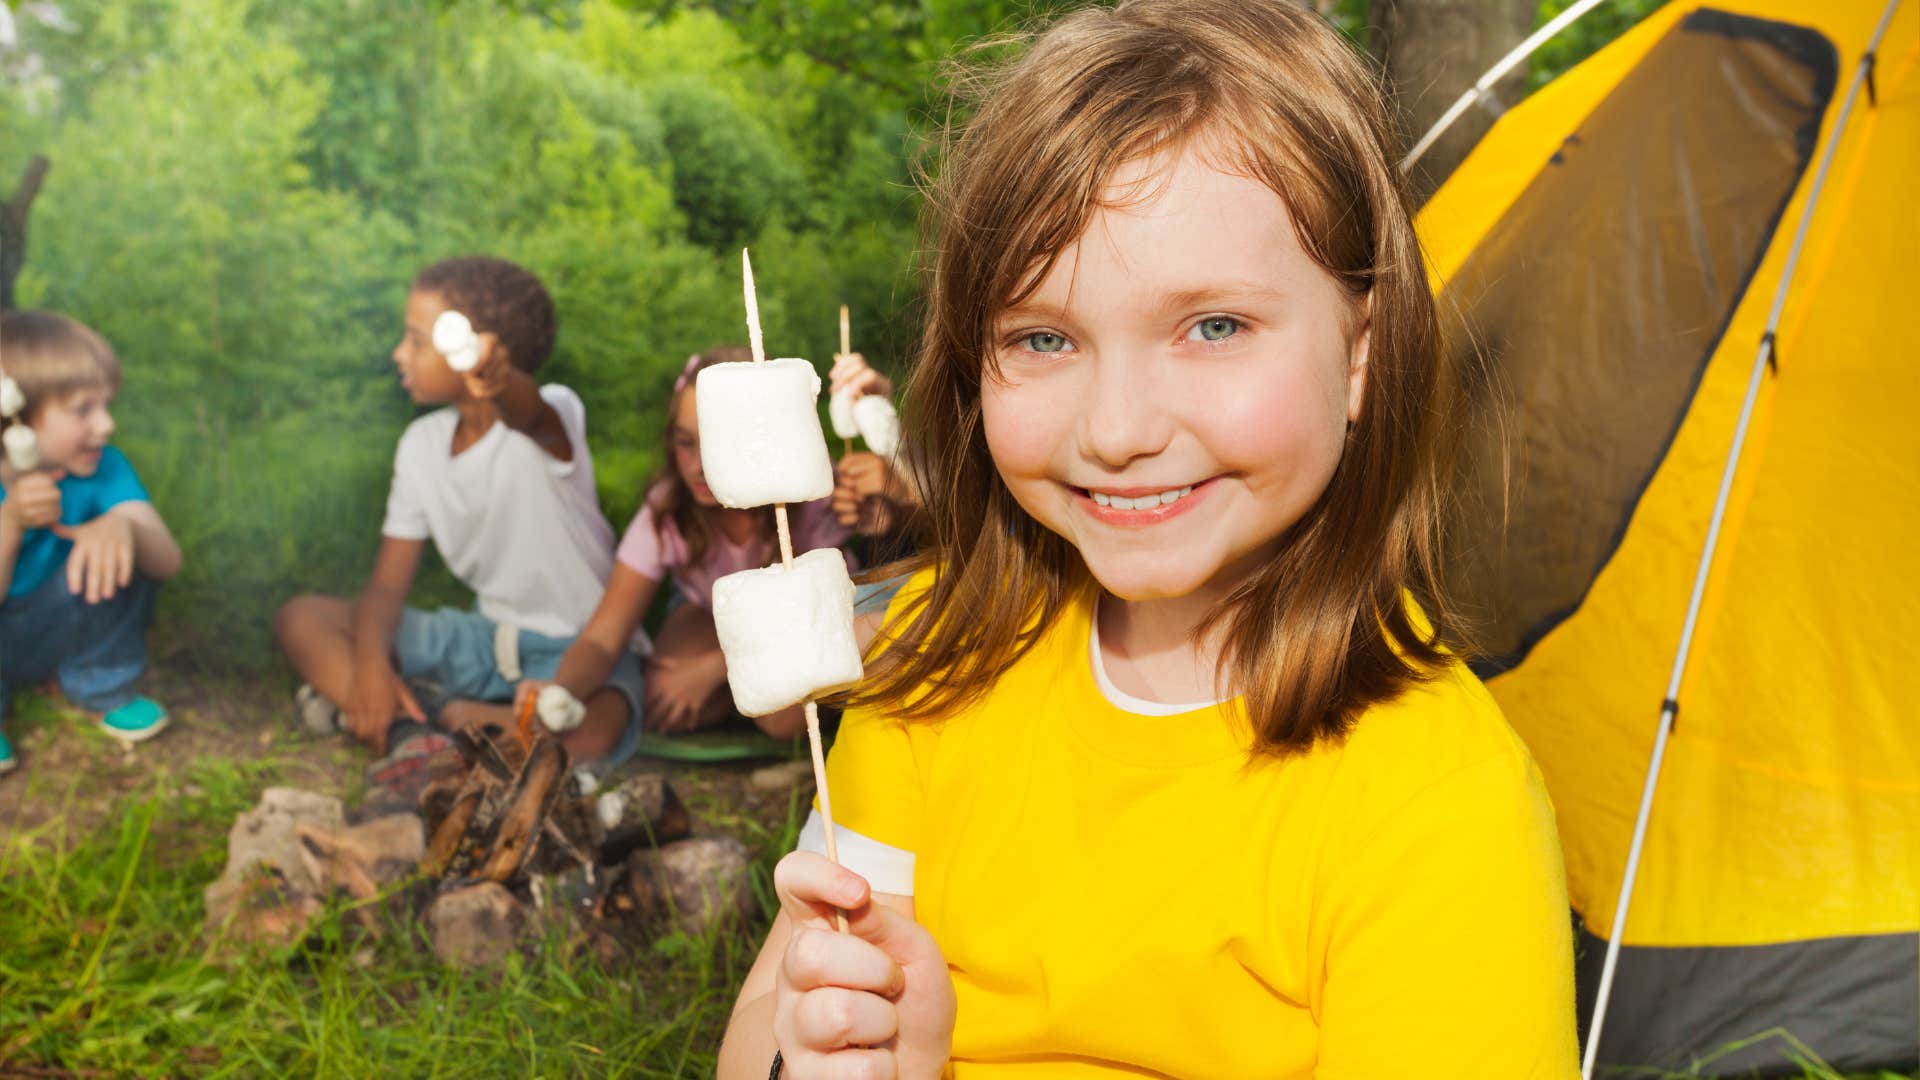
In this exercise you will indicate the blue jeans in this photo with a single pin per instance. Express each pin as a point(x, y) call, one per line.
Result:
point(97, 651)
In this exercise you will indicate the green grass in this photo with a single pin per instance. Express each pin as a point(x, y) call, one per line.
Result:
point(103, 970)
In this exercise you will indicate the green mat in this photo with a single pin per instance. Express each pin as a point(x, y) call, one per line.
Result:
point(722, 744)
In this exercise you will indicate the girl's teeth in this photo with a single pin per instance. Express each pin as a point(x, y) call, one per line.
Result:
point(1144, 502)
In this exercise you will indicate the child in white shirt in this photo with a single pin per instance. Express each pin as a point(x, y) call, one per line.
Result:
point(500, 479)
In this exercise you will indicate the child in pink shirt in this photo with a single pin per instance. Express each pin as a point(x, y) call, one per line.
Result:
point(682, 530)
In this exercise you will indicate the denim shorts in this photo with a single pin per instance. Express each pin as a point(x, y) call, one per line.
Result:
point(460, 654)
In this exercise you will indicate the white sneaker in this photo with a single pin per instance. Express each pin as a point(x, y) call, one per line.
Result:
point(315, 714)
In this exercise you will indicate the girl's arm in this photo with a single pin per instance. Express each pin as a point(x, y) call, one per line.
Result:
point(822, 997)
point(588, 661)
point(155, 552)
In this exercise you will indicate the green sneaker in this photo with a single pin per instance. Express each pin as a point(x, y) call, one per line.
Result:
point(136, 721)
point(7, 760)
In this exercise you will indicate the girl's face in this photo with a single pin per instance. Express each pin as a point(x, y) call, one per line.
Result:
point(424, 373)
point(73, 430)
point(1175, 394)
point(686, 449)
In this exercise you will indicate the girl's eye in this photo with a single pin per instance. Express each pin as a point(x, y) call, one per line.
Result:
point(1217, 328)
point(1045, 341)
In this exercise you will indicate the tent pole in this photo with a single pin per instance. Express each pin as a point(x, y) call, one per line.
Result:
point(1763, 356)
point(1484, 85)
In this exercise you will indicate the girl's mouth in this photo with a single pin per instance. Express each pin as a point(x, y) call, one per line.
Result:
point(1139, 505)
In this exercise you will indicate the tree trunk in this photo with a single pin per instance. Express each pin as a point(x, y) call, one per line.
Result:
point(13, 227)
point(1433, 51)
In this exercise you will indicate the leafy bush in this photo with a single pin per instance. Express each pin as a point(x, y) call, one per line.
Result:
point(242, 190)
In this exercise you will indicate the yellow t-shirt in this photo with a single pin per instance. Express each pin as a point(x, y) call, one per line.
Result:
point(1123, 893)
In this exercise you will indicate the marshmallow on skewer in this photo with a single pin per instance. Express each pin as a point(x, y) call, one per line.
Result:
point(787, 632)
point(23, 447)
point(879, 424)
point(453, 336)
point(11, 399)
point(559, 710)
point(840, 410)
point(760, 437)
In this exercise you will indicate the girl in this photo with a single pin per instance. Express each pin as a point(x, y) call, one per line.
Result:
point(683, 530)
point(1161, 767)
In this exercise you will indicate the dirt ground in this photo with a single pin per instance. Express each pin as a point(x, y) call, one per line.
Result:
point(72, 775)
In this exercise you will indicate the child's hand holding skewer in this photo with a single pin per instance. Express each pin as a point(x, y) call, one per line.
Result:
point(33, 501)
point(841, 999)
point(852, 372)
point(491, 374)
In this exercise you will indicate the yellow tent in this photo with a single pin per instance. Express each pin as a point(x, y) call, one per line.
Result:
point(1614, 249)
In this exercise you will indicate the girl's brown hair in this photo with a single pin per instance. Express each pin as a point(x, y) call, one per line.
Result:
point(675, 500)
point(51, 356)
point(1325, 629)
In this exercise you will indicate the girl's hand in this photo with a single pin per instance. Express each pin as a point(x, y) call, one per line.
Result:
point(101, 562)
point(863, 493)
point(851, 369)
point(678, 688)
point(876, 1001)
point(33, 501)
point(377, 694)
point(525, 689)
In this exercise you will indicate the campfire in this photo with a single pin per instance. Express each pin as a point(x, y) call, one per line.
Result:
point(505, 837)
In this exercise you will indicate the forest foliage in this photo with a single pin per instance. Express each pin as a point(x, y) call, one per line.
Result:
point(241, 190)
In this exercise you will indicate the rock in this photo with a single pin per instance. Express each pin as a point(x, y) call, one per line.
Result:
point(642, 811)
point(359, 860)
point(782, 776)
point(268, 890)
point(692, 886)
point(476, 926)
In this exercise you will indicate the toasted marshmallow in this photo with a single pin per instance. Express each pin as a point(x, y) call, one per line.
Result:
point(760, 437)
point(558, 709)
point(23, 447)
point(453, 335)
point(787, 632)
point(840, 411)
point(879, 424)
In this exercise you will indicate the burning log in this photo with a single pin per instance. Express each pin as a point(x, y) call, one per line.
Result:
point(451, 831)
point(524, 820)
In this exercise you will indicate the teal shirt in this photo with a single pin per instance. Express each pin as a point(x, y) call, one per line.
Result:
point(82, 498)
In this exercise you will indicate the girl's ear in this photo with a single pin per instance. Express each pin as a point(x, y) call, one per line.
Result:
point(1357, 361)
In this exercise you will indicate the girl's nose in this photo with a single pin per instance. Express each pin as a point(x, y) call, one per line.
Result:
point(1125, 415)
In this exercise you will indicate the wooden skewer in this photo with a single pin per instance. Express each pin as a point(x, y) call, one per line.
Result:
point(524, 722)
point(846, 346)
point(755, 340)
